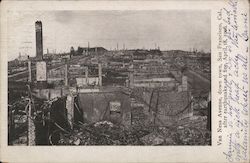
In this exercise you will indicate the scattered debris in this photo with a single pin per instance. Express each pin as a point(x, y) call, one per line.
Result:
point(107, 133)
point(153, 139)
point(103, 123)
point(188, 131)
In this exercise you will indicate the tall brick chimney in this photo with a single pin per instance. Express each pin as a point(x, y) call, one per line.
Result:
point(39, 40)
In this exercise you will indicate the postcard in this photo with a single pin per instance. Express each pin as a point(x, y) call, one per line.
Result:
point(124, 81)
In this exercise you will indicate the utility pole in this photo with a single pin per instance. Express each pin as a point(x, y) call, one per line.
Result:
point(88, 49)
point(209, 112)
point(66, 73)
point(29, 69)
point(100, 73)
point(86, 75)
point(70, 110)
point(31, 125)
point(156, 108)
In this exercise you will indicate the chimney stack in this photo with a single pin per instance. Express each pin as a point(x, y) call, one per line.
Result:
point(39, 40)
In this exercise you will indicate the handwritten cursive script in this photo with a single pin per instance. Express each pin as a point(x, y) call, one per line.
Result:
point(233, 58)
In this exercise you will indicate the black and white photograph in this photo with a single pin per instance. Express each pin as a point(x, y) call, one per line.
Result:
point(109, 78)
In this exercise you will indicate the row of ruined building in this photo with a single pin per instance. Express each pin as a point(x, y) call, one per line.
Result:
point(162, 94)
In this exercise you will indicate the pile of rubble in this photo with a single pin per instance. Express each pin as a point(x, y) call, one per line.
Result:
point(102, 133)
point(107, 133)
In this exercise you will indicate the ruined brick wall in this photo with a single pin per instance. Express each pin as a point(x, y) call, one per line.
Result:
point(96, 107)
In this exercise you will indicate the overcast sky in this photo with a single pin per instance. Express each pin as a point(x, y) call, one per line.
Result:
point(170, 30)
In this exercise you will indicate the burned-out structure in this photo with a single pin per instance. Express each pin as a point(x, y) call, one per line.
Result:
point(90, 50)
point(94, 96)
point(110, 105)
